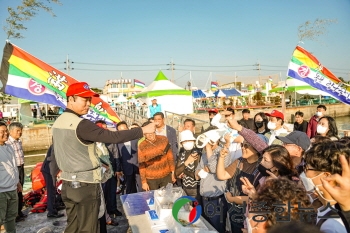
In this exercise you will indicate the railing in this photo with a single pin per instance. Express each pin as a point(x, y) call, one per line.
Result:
point(174, 120)
point(131, 116)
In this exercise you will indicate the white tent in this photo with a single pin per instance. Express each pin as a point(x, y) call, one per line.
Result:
point(121, 99)
point(171, 97)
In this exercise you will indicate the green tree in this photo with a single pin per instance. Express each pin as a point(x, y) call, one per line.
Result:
point(97, 90)
point(22, 13)
point(4, 99)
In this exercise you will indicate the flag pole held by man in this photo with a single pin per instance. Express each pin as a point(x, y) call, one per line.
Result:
point(74, 142)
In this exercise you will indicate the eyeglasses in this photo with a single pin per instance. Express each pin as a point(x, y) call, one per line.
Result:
point(306, 168)
point(245, 145)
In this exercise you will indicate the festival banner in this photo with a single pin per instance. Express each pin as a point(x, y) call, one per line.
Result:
point(305, 67)
point(139, 84)
point(25, 76)
point(214, 86)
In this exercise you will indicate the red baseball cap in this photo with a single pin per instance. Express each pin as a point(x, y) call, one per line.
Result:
point(81, 89)
point(213, 110)
point(275, 113)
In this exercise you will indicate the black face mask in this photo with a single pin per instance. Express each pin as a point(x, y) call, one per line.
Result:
point(259, 124)
point(263, 170)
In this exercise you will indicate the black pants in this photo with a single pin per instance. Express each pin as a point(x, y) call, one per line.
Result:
point(51, 193)
point(110, 195)
point(20, 195)
point(130, 182)
point(82, 207)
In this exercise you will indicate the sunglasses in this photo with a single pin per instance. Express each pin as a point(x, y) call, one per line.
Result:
point(245, 145)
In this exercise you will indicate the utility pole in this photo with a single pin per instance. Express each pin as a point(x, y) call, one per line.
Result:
point(258, 68)
point(171, 64)
point(68, 64)
point(236, 81)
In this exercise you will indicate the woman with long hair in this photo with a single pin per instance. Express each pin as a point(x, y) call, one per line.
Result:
point(327, 127)
point(260, 122)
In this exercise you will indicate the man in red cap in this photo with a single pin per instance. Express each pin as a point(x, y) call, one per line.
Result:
point(275, 125)
point(74, 144)
point(212, 112)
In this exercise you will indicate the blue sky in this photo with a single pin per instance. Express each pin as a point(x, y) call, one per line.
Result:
point(222, 37)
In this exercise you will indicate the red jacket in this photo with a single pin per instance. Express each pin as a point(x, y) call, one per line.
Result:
point(312, 127)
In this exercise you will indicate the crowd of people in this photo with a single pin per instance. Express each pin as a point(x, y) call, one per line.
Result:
point(250, 175)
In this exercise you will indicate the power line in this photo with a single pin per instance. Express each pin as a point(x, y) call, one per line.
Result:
point(101, 64)
point(114, 70)
point(215, 66)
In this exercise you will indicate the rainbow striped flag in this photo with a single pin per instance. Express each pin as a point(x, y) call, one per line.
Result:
point(305, 67)
point(25, 76)
point(214, 86)
point(139, 84)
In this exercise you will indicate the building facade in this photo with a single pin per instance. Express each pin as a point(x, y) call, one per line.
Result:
point(116, 87)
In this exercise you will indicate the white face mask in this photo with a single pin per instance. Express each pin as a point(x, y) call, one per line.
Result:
point(188, 145)
point(307, 182)
point(320, 193)
point(319, 114)
point(310, 186)
point(321, 130)
point(271, 125)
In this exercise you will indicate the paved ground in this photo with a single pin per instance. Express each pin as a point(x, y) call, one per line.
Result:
point(38, 221)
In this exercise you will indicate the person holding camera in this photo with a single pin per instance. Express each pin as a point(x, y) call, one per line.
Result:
point(186, 164)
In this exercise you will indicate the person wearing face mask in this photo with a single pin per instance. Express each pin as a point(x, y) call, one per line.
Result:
point(276, 126)
point(186, 164)
point(235, 151)
point(212, 190)
point(260, 122)
point(327, 127)
point(313, 122)
point(322, 161)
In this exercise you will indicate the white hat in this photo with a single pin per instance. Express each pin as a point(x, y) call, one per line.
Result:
point(187, 135)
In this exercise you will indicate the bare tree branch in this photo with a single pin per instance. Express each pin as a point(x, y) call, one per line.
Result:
point(25, 12)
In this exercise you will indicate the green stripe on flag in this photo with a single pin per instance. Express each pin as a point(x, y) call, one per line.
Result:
point(18, 72)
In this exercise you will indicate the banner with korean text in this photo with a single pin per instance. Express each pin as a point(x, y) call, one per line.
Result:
point(306, 67)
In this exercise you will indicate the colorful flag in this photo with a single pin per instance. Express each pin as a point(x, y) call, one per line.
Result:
point(214, 85)
point(305, 67)
point(25, 76)
point(139, 84)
